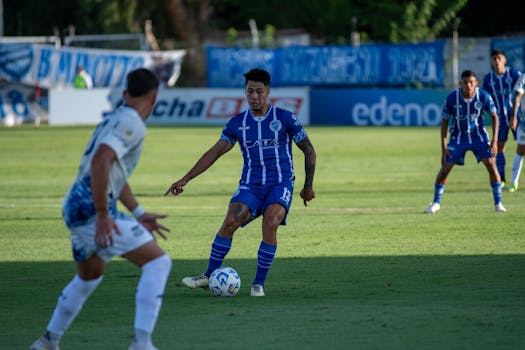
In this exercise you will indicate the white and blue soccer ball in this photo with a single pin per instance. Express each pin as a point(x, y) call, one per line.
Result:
point(224, 282)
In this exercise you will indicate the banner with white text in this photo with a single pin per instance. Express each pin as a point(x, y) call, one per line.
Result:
point(48, 67)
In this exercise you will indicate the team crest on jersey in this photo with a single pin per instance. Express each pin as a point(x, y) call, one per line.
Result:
point(275, 125)
point(477, 105)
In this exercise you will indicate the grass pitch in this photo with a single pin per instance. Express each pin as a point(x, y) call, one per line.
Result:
point(360, 268)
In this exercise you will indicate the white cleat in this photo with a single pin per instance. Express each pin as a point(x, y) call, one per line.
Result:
point(136, 346)
point(43, 343)
point(200, 281)
point(257, 290)
point(499, 208)
point(432, 208)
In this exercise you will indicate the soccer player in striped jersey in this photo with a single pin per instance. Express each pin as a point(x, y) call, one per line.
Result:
point(265, 134)
point(99, 231)
point(499, 83)
point(518, 123)
point(463, 118)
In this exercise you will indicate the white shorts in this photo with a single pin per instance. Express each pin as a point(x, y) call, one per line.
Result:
point(520, 135)
point(132, 235)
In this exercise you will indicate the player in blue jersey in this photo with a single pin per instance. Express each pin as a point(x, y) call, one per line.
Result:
point(99, 231)
point(265, 134)
point(499, 83)
point(463, 118)
point(518, 123)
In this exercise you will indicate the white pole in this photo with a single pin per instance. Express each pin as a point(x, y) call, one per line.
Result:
point(254, 32)
point(455, 54)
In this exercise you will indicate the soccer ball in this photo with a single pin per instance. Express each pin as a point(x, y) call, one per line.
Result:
point(224, 282)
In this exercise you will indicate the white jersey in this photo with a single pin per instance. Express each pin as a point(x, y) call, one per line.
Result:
point(123, 130)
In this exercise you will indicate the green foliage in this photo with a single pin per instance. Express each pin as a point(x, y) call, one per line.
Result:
point(421, 23)
point(360, 268)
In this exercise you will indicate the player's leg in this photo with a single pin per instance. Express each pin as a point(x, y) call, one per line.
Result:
point(71, 300)
point(495, 182)
point(90, 269)
point(518, 161)
point(439, 187)
point(156, 266)
point(275, 206)
point(503, 134)
point(238, 214)
point(273, 216)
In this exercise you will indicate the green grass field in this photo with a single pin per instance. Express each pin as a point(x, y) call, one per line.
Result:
point(360, 268)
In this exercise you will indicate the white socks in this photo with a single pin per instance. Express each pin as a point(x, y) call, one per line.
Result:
point(150, 291)
point(70, 301)
point(516, 168)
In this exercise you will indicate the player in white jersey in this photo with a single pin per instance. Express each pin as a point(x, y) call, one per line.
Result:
point(99, 231)
point(265, 135)
point(518, 124)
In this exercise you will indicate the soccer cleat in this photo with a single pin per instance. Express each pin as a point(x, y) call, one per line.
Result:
point(504, 186)
point(200, 281)
point(432, 208)
point(257, 290)
point(499, 207)
point(136, 346)
point(513, 187)
point(43, 343)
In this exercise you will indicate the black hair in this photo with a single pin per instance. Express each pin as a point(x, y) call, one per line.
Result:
point(497, 52)
point(259, 75)
point(141, 81)
point(467, 74)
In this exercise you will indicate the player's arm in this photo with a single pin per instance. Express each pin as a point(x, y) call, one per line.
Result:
point(100, 166)
point(205, 161)
point(307, 193)
point(148, 220)
point(444, 132)
point(514, 117)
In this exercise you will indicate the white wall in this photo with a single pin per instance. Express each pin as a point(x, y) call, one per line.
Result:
point(77, 106)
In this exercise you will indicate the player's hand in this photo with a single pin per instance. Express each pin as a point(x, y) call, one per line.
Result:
point(149, 221)
point(307, 194)
point(176, 188)
point(513, 123)
point(104, 228)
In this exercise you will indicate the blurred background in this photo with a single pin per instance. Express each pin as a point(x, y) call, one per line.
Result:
point(333, 48)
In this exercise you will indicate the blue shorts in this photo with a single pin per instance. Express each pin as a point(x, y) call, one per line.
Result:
point(457, 152)
point(503, 131)
point(258, 197)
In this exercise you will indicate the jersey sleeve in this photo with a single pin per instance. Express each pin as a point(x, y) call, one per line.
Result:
point(519, 86)
point(489, 106)
point(294, 127)
point(448, 108)
point(228, 132)
point(124, 135)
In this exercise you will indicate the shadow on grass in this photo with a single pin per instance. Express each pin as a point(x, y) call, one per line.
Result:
point(392, 302)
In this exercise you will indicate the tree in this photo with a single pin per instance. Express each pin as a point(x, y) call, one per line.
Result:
point(416, 23)
point(189, 21)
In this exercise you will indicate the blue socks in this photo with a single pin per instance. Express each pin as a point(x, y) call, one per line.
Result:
point(500, 164)
point(496, 192)
point(265, 257)
point(438, 192)
point(219, 248)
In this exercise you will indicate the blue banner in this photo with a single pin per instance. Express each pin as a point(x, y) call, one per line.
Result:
point(377, 107)
point(47, 66)
point(419, 65)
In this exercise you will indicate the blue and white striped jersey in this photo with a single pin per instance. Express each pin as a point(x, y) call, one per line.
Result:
point(501, 88)
point(465, 116)
point(266, 144)
point(123, 130)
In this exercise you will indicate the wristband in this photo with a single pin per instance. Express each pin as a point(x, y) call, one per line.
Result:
point(138, 211)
